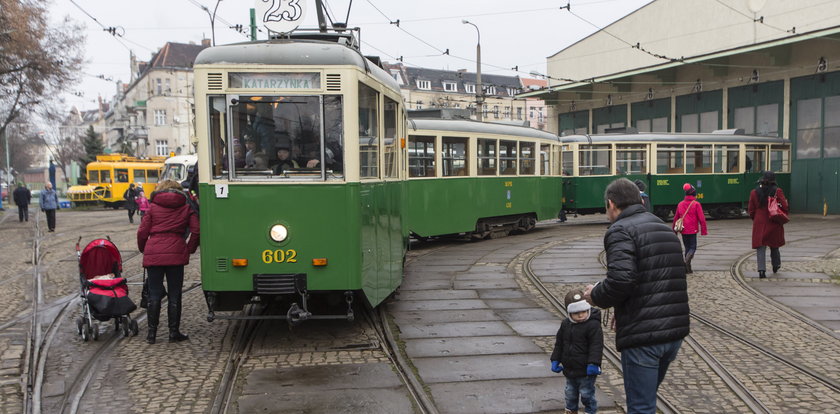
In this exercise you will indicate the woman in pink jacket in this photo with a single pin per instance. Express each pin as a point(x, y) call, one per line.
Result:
point(693, 220)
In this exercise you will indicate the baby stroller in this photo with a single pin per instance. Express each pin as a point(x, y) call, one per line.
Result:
point(104, 290)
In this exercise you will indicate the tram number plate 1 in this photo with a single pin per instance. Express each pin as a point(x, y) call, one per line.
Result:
point(221, 191)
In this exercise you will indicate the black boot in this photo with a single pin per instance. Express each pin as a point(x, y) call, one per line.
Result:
point(153, 314)
point(174, 314)
point(688, 258)
point(762, 274)
point(776, 268)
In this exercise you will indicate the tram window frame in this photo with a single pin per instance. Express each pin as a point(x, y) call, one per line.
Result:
point(780, 158)
point(389, 148)
point(527, 164)
point(756, 158)
point(588, 155)
point(723, 159)
point(486, 154)
point(93, 176)
point(422, 154)
point(453, 163)
point(704, 159)
point(567, 164)
point(152, 176)
point(631, 149)
point(674, 161)
point(545, 160)
point(217, 133)
point(141, 178)
point(508, 153)
point(121, 175)
point(369, 133)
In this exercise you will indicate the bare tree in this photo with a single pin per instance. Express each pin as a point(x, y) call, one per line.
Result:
point(62, 139)
point(37, 59)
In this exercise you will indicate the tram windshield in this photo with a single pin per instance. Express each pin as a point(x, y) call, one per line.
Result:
point(279, 138)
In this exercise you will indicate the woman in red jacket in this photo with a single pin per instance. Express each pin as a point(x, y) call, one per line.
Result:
point(766, 233)
point(694, 221)
point(162, 238)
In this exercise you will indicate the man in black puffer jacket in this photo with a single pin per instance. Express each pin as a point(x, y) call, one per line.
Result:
point(647, 286)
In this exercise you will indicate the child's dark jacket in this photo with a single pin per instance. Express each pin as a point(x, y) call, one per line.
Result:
point(579, 344)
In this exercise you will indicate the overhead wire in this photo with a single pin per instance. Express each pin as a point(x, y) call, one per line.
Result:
point(116, 35)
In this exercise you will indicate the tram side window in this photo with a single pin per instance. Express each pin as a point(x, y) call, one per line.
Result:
point(455, 156)
point(594, 160)
point(368, 132)
point(780, 158)
point(698, 159)
point(486, 157)
point(93, 176)
point(218, 137)
point(631, 159)
point(121, 174)
point(421, 156)
point(756, 157)
point(139, 175)
point(105, 176)
point(152, 176)
point(726, 159)
point(389, 149)
point(568, 161)
point(670, 159)
point(545, 160)
point(507, 157)
point(334, 136)
point(527, 158)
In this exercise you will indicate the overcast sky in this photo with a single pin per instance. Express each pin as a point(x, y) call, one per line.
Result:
point(513, 33)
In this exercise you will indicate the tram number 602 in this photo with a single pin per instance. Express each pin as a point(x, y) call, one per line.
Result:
point(279, 256)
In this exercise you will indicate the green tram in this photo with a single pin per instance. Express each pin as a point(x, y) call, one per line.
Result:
point(480, 179)
point(301, 190)
point(724, 166)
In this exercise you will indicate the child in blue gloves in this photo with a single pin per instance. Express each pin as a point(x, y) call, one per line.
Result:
point(578, 351)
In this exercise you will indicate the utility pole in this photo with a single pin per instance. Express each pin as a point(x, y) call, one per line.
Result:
point(479, 91)
point(8, 168)
point(253, 25)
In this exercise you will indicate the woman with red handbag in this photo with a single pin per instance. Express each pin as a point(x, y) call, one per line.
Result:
point(767, 231)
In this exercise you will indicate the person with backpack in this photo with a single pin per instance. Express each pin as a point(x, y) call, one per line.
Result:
point(689, 220)
point(767, 232)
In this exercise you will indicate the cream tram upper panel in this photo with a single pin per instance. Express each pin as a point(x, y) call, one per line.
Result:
point(678, 138)
point(255, 56)
point(479, 128)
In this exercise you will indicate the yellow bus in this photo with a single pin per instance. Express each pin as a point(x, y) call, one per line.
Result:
point(109, 176)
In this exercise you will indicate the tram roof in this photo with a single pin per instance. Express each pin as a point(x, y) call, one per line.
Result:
point(464, 125)
point(681, 137)
point(291, 52)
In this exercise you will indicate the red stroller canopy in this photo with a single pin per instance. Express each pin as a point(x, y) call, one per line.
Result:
point(100, 257)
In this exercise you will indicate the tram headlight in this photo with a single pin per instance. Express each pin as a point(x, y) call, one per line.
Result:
point(278, 233)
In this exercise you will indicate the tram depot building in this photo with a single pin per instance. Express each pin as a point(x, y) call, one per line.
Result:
point(769, 67)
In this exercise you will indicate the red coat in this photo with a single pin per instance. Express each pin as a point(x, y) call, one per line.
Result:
point(161, 236)
point(764, 231)
point(695, 220)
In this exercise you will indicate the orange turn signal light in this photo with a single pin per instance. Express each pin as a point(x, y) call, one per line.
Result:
point(319, 262)
point(240, 262)
point(402, 143)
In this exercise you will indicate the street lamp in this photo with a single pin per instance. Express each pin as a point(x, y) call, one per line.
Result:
point(479, 92)
point(212, 20)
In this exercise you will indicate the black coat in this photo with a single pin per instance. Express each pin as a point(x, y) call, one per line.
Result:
point(579, 344)
point(645, 280)
point(22, 196)
point(130, 196)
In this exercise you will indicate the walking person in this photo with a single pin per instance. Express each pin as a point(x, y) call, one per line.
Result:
point(22, 197)
point(130, 197)
point(646, 285)
point(767, 233)
point(578, 351)
point(166, 250)
point(645, 197)
point(49, 203)
point(689, 220)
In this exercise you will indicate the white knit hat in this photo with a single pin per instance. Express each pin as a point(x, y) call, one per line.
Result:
point(576, 303)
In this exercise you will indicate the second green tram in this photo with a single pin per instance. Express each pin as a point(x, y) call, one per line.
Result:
point(723, 166)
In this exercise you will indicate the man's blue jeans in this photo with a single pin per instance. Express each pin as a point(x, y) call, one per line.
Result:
point(585, 387)
point(644, 369)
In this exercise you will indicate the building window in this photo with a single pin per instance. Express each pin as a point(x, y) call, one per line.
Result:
point(168, 88)
point(507, 112)
point(519, 113)
point(450, 86)
point(496, 111)
point(511, 91)
point(160, 117)
point(396, 74)
point(469, 87)
point(424, 84)
point(490, 90)
point(158, 87)
point(539, 115)
point(161, 147)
